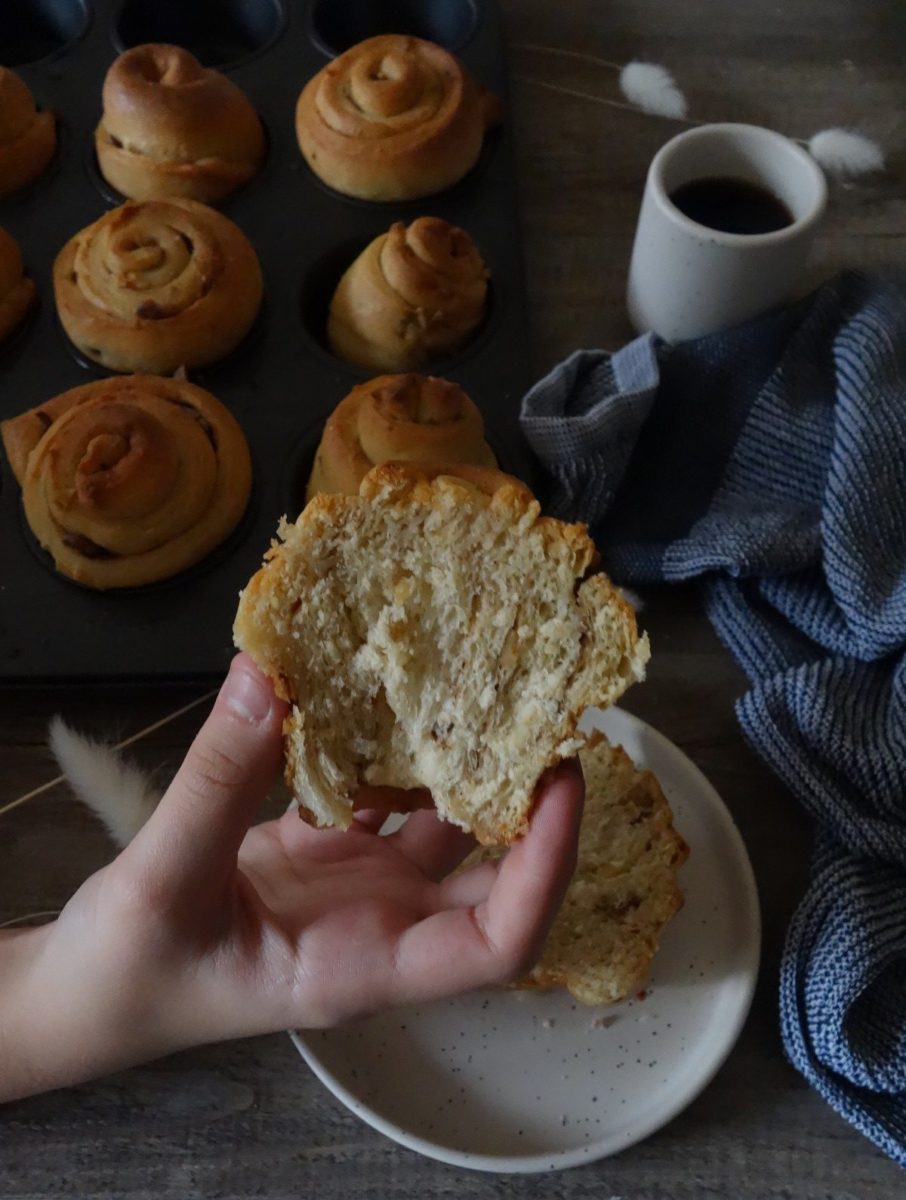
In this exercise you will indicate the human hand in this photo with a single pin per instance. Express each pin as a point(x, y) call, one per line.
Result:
point(204, 929)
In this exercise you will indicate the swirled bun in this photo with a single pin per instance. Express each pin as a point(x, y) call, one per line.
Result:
point(28, 138)
point(416, 293)
point(17, 292)
point(397, 418)
point(129, 480)
point(172, 127)
point(624, 890)
point(394, 118)
point(156, 285)
point(435, 631)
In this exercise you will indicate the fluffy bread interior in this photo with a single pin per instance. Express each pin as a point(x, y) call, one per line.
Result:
point(625, 887)
point(435, 631)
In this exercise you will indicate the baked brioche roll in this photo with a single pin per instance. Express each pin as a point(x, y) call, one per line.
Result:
point(28, 138)
point(127, 481)
point(435, 631)
point(172, 127)
point(397, 418)
point(17, 292)
point(415, 293)
point(156, 285)
point(625, 887)
point(394, 118)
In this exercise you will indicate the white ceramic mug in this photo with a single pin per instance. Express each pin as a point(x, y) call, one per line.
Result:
point(686, 279)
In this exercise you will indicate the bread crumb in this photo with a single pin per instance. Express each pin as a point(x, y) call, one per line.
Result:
point(602, 1022)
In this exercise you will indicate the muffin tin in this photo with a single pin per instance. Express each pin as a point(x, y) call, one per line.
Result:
point(282, 382)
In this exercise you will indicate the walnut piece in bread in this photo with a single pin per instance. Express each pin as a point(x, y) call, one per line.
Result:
point(435, 631)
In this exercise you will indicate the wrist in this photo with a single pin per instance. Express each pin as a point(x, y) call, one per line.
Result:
point(76, 1002)
point(21, 1067)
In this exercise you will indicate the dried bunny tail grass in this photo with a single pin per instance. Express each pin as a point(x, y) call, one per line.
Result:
point(653, 89)
point(845, 152)
point(118, 792)
point(28, 917)
point(43, 788)
point(650, 88)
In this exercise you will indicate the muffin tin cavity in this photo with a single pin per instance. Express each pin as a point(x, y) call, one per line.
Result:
point(216, 31)
point(338, 24)
point(297, 469)
point(33, 30)
point(16, 341)
point(318, 286)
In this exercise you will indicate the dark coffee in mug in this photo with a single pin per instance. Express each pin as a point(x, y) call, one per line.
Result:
point(731, 205)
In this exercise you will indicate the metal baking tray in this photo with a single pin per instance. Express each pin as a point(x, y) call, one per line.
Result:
point(282, 382)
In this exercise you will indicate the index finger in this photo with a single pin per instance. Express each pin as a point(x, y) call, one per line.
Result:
point(498, 939)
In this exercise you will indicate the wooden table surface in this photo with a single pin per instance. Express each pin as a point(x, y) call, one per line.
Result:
point(248, 1119)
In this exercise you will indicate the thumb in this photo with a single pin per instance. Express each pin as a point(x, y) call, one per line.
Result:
point(197, 829)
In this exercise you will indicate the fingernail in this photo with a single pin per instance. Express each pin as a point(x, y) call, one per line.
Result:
point(247, 694)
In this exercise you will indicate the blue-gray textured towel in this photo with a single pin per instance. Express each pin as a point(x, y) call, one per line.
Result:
point(771, 462)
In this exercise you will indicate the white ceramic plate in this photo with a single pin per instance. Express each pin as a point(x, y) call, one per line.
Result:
point(533, 1081)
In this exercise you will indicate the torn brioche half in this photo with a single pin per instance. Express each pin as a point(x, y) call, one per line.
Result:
point(624, 890)
point(435, 631)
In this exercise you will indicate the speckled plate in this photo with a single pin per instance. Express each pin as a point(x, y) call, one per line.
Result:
point(532, 1081)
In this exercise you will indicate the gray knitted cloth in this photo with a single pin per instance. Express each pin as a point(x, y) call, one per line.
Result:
point(770, 462)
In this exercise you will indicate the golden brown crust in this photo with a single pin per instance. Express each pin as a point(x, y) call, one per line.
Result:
point(404, 482)
point(171, 127)
point(394, 118)
point(28, 138)
point(416, 293)
point(157, 285)
point(397, 418)
point(129, 480)
point(17, 292)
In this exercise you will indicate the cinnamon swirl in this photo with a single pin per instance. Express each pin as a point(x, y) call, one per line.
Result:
point(394, 118)
point(156, 285)
point(397, 418)
point(174, 128)
point(414, 294)
point(130, 480)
